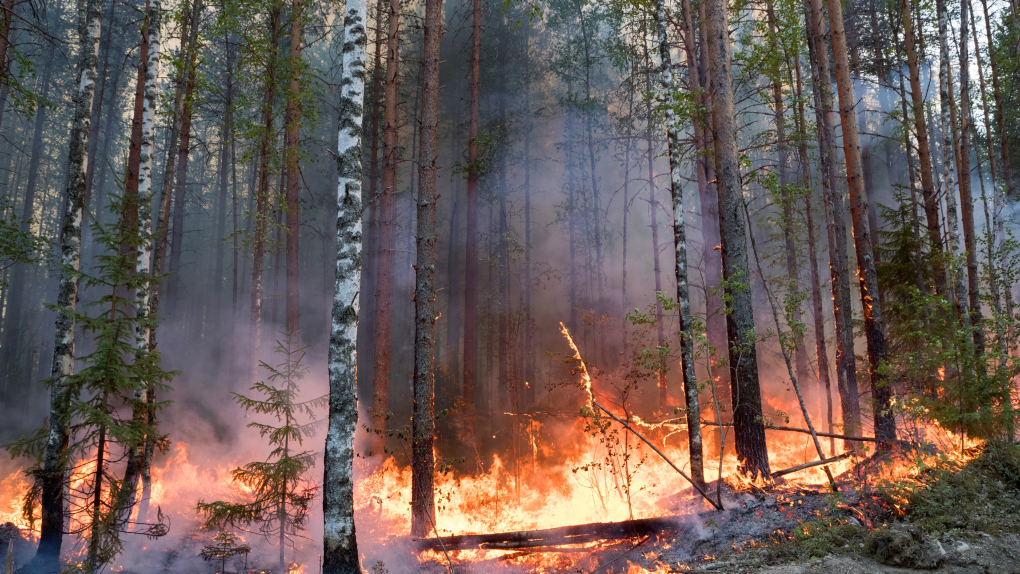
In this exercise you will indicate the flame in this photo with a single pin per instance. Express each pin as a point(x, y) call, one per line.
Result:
point(12, 488)
point(584, 368)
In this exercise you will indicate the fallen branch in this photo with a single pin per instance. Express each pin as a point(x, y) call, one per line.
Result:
point(805, 431)
point(551, 536)
point(810, 464)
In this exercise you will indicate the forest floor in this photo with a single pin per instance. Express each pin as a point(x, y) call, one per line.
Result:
point(959, 518)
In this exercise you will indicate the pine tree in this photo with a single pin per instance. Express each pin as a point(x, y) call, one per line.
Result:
point(281, 495)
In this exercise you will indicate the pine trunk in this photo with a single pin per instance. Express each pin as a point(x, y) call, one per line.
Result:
point(15, 306)
point(842, 311)
point(966, 194)
point(821, 352)
point(387, 242)
point(423, 505)
point(749, 428)
point(262, 197)
point(931, 207)
point(874, 330)
point(173, 281)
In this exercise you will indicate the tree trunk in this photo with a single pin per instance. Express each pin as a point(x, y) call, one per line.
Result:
point(821, 353)
point(749, 428)
point(387, 244)
point(262, 196)
point(471, 233)
point(138, 216)
point(5, 41)
point(292, 142)
point(369, 268)
point(950, 161)
point(715, 318)
point(423, 505)
point(54, 465)
point(966, 195)
point(173, 281)
point(874, 329)
point(683, 295)
point(653, 205)
point(1007, 175)
point(931, 207)
point(842, 311)
point(340, 546)
point(226, 139)
point(785, 195)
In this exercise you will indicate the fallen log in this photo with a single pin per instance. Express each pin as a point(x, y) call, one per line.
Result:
point(806, 431)
point(576, 534)
point(793, 469)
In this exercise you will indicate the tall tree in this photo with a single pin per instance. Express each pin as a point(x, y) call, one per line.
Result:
point(340, 546)
point(846, 368)
point(53, 473)
point(423, 505)
point(874, 329)
point(292, 155)
point(138, 214)
point(931, 207)
point(966, 196)
point(383, 318)
point(683, 294)
point(748, 425)
point(261, 192)
point(471, 233)
point(189, 77)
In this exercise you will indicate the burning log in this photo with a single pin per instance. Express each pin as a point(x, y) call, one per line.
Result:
point(551, 537)
point(790, 470)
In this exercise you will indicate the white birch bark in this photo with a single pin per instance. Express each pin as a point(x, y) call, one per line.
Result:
point(949, 162)
point(340, 547)
point(54, 471)
point(673, 127)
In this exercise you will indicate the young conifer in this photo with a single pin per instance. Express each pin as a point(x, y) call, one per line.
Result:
point(280, 492)
point(101, 425)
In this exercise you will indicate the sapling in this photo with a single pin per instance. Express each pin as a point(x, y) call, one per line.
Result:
point(281, 494)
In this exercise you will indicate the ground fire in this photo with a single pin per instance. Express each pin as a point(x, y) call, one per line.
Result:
point(508, 286)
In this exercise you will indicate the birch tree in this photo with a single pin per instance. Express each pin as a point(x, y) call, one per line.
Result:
point(53, 472)
point(340, 547)
point(683, 294)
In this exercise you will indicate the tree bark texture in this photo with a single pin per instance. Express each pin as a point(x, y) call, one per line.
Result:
point(683, 294)
point(874, 329)
point(173, 280)
point(423, 505)
point(54, 465)
point(749, 428)
point(137, 192)
point(387, 241)
point(340, 546)
point(842, 311)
